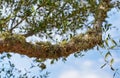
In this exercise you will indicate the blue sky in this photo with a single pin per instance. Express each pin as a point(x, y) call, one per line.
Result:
point(87, 66)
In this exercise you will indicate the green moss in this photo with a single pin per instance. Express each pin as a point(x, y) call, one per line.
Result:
point(12, 37)
point(43, 43)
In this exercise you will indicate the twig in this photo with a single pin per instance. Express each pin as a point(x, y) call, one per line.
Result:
point(17, 24)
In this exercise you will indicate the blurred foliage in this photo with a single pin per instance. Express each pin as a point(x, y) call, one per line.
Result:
point(42, 17)
point(9, 70)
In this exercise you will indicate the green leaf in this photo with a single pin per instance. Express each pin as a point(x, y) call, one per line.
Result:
point(2, 57)
point(52, 61)
point(107, 55)
point(97, 47)
point(109, 25)
point(106, 41)
point(112, 47)
point(111, 62)
point(43, 66)
point(112, 69)
point(9, 55)
point(103, 65)
point(75, 55)
point(40, 60)
point(64, 59)
point(113, 41)
point(102, 45)
point(32, 8)
point(71, 35)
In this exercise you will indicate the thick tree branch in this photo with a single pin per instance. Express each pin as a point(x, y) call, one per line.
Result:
point(81, 42)
point(101, 13)
point(47, 50)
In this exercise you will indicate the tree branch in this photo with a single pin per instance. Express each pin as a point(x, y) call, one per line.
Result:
point(17, 24)
point(81, 42)
point(47, 50)
point(101, 14)
point(46, 21)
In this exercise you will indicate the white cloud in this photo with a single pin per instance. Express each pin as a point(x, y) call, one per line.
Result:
point(86, 74)
point(87, 69)
point(117, 60)
point(116, 57)
point(88, 63)
point(70, 74)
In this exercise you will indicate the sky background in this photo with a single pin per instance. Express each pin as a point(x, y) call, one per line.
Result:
point(87, 66)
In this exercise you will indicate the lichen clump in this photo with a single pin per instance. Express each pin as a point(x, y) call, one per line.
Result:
point(16, 43)
point(6, 36)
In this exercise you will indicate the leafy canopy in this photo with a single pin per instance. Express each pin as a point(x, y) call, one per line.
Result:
point(41, 17)
point(45, 17)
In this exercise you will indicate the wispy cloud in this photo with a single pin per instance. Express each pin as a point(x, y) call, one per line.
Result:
point(89, 70)
point(86, 74)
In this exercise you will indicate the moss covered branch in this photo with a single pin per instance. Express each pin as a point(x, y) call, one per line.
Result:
point(17, 44)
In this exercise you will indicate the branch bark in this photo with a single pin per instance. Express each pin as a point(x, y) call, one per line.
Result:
point(103, 8)
point(47, 50)
point(81, 42)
